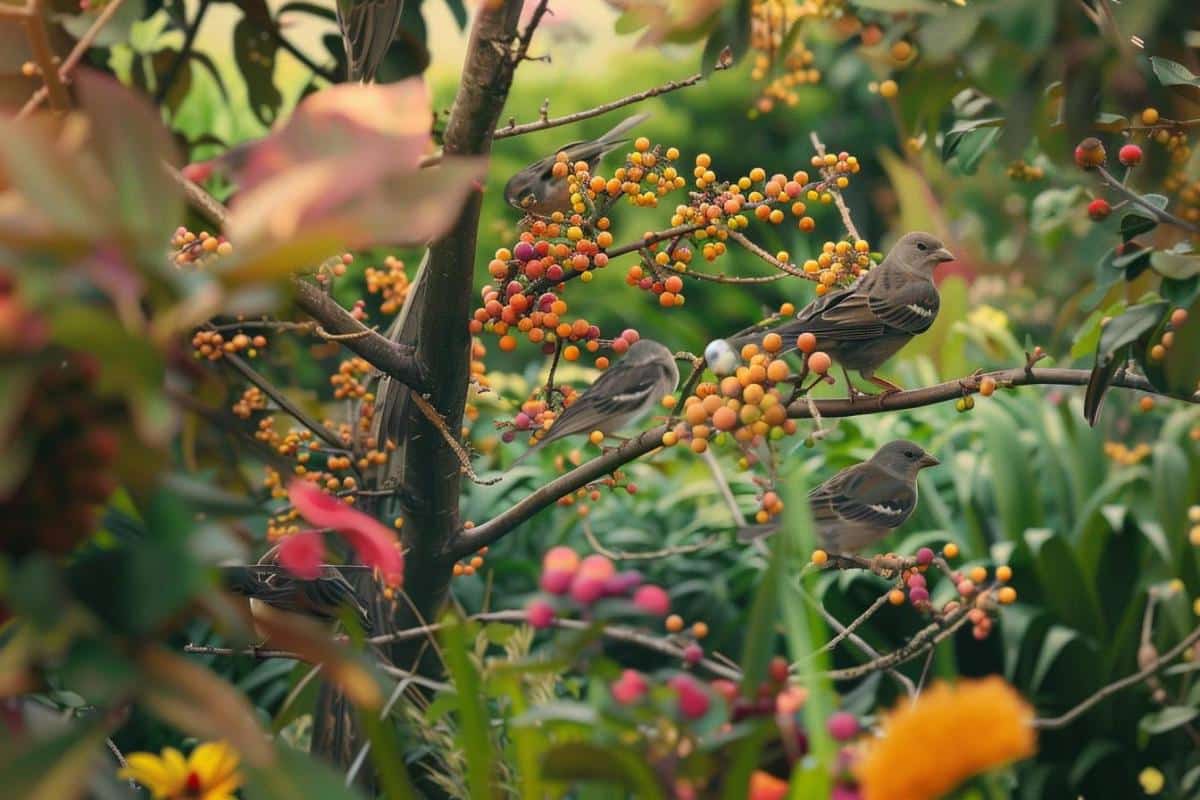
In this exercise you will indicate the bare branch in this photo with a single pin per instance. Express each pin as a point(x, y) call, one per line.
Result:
point(43, 55)
point(75, 56)
point(397, 360)
point(1158, 214)
point(1065, 719)
point(543, 124)
point(270, 390)
point(644, 555)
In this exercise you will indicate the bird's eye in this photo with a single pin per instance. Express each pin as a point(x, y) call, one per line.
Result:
point(909, 454)
point(922, 246)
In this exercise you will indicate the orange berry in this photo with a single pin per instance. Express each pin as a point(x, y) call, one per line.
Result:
point(777, 371)
point(819, 557)
point(987, 385)
point(896, 597)
point(725, 419)
point(508, 343)
point(950, 550)
point(806, 342)
point(1146, 404)
point(819, 362)
point(772, 342)
point(674, 623)
point(699, 630)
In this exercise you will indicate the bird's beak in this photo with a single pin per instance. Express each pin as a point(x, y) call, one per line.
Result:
point(928, 460)
point(942, 254)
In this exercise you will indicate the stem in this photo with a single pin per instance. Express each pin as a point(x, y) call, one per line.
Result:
point(1159, 214)
point(43, 55)
point(74, 57)
point(189, 39)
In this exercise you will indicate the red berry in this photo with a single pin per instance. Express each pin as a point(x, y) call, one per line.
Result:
point(556, 581)
point(1130, 155)
point(925, 556)
point(540, 614)
point(586, 590)
point(1099, 209)
point(693, 653)
point(778, 669)
point(842, 725)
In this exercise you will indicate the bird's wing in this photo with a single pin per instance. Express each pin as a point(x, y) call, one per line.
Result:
point(368, 28)
point(845, 315)
point(863, 494)
point(615, 396)
point(592, 150)
point(904, 301)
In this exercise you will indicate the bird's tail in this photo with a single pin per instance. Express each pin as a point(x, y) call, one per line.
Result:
point(615, 137)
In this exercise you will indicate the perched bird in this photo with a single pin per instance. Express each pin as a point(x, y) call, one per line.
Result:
point(862, 504)
point(272, 590)
point(535, 189)
point(862, 326)
point(621, 394)
point(368, 28)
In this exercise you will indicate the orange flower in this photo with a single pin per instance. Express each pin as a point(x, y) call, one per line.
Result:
point(765, 786)
point(949, 734)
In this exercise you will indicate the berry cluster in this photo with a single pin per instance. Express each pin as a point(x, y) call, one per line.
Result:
point(1177, 319)
point(390, 283)
point(72, 446)
point(196, 250)
point(569, 582)
point(213, 344)
point(840, 263)
point(251, 400)
point(781, 63)
point(463, 568)
point(1027, 173)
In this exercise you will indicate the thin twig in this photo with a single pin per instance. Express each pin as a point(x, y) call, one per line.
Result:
point(526, 37)
point(1065, 719)
point(847, 630)
point(43, 55)
point(790, 269)
point(270, 390)
point(543, 124)
point(189, 40)
point(1159, 214)
point(838, 201)
point(74, 57)
point(464, 458)
point(723, 487)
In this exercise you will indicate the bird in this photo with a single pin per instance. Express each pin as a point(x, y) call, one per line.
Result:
point(535, 190)
point(272, 590)
point(862, 504)
point(368, 28)
point(862, 326)
point(621, 394)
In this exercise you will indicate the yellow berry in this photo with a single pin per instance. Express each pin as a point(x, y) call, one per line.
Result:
point(889, 89)
point(819, 557)
point(1004, 573)
point(596, 437)
point(674, 623)
point(950, 550)
point(1007, 595)
point(1150, 116)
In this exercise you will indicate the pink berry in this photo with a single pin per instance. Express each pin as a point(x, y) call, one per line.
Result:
point(524, 251)
point(842, 725)
point(693, 700)
point(555, 273)
point(620, 346)
point(693, 653)
point(925, 556)
point(597, 566)
point(918, 594)
point(966, 587)
point(1130, 155)
point(652, 599)
point(629, 688)
point(915, 580)
point(586, 590)
point(630, 335)
point(540, 614)
point(556, 581)
point(622, 583)
point(561, 558)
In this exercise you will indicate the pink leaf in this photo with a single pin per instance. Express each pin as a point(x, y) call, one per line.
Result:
point(302, 554)
point(376, 544)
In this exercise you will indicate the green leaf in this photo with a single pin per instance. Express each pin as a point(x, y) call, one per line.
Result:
point(296, 774)
point(53, 767)
point(1179, 266)
point(1167, 719)
point(899, 6)
point(1120, 332)
point(1012, 479)
point(583, 761)
point(254, 50)
point(1135, 224)
point(473, 736)
point(967, 145)
point(1067, 592)
point(1172, 73)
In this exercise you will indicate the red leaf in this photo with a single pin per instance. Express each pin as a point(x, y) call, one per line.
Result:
point(302, 554)
point(376, 544)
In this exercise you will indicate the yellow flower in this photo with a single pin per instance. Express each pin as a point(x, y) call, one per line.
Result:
point(209, 773)
point(949, 734)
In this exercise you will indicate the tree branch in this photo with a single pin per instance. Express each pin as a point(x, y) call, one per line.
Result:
point(483, 535)
point(189, 39)
point(952, 390)
point(43, 55)
point(397, 360)
point(270, 390)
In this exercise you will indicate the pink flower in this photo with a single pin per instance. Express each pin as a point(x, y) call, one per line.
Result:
point(302, 554)
point(375, 543)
